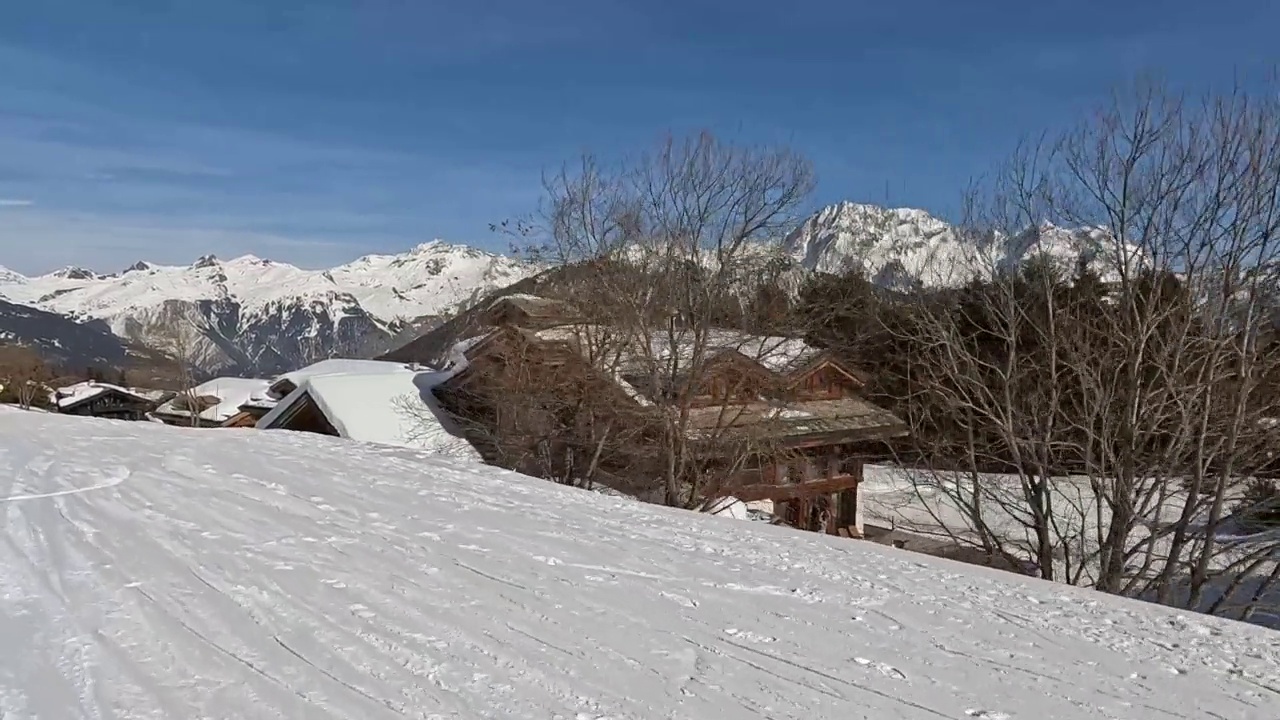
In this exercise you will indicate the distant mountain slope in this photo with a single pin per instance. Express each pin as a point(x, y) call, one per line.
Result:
point(899, 247)
point(60, 339)
point(258, 316)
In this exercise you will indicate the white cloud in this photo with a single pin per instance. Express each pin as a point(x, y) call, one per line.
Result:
point(15, 202)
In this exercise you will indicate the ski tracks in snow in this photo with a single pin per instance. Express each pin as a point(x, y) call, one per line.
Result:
point(271, 575)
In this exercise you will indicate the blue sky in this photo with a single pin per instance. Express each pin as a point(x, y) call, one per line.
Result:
point(314, 132)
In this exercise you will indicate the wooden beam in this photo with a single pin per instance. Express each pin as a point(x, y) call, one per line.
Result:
point(793, 491)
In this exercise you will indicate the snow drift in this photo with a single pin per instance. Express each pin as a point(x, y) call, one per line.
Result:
point(151, 571)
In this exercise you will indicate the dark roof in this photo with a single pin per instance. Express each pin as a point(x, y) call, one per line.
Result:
point(535, 306)
point(849, 416)
point(432, 347)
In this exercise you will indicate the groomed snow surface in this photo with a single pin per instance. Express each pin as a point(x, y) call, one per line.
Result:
point(150, 571)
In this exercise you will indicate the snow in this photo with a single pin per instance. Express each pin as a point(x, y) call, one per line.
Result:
point(231, 393)
point(338, 366)
point(430, 280)
point(153, 571)
point(10, 277)
point(391, 408)
point(729, 507)
point(900, 247)
point(923, 503)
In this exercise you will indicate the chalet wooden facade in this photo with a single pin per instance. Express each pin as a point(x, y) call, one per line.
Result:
point(186, 410)
point(789, 429)
point(246, 416)
point(303, 415)
point(103, 400)
point(527, 311)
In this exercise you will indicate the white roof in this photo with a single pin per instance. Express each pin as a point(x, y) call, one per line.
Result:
point(389, 408)
point(82, 391)
point(341, 365)
point(232, 392)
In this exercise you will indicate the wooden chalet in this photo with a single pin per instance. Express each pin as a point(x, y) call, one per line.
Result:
point(527, 311)
point(791, 410)
point(210, 404)
point(388, 408)
point(103, 400)
point(250, 412)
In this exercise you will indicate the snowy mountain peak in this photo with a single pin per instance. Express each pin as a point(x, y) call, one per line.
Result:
point(72, 272)
point(903, 247)
point(889, 244)
point(251, 261)
point(261, 316)
point(10, 277)
point(431, 246)
point(140, 266)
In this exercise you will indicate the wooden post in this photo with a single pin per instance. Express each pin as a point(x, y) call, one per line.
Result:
point(857, 498)
point(833, 465)
point(833, 507)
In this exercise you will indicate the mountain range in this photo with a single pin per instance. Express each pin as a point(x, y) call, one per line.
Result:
point(252, 316)
point(904, 247)
point(249, 315)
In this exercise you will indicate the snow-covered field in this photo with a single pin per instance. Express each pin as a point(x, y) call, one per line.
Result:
point(150, 571)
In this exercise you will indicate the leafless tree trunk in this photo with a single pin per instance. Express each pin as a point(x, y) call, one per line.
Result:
point(25, 375)
point(669, 249)
point(180, 337)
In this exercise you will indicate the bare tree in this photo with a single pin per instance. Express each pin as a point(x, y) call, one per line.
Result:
point(667, 250)
point(1124, 396)
point(24, 375)
point(180, 336)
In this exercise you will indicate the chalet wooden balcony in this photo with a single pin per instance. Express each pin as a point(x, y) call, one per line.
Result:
point(777, 483)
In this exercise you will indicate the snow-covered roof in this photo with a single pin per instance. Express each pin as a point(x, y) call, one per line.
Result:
point(356, 581)
point(231, 392)
point(260, 400)
point(389, 408)
point(339, 366)
point(71, 395)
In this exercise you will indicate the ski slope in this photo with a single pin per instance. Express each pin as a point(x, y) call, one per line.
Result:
point(157, 572)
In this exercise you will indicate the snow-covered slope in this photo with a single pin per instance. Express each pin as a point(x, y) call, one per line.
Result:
point(900, 247)
point(260, 316)
point(149, 571)
point(9, 277)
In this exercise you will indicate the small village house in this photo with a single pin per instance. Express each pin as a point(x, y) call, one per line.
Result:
point(263, 400)
point(387, 403)
point(214, 403)
point(772, 419)
point(288, 382)
point(104, 400)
